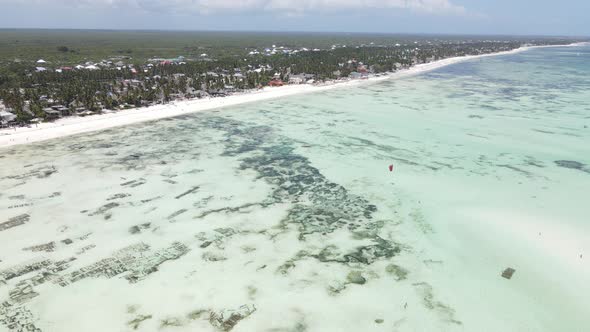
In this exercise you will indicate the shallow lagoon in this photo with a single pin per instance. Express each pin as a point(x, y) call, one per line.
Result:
point(283, 215)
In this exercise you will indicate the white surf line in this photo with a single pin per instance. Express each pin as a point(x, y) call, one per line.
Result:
point(77, 125)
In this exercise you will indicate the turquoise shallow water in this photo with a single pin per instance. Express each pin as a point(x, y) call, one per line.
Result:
point(283, 215)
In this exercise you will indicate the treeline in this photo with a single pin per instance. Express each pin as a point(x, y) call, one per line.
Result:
point(28, 92)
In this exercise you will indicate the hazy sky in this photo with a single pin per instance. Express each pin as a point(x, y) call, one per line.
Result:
point(565, 17)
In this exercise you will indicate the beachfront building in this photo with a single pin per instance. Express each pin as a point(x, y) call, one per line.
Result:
point(275, 83)
point(296, 79)
point(50, 113)
point(63, 111)
point(6, 117)
point(301, 78)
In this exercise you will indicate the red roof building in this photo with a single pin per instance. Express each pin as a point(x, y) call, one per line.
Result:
point(275, 82)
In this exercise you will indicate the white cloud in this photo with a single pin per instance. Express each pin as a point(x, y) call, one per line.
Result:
point(277, 6)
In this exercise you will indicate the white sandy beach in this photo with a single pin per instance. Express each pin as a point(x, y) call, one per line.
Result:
point(76, 125)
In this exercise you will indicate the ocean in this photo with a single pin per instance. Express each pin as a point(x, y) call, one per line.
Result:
point(284, 215)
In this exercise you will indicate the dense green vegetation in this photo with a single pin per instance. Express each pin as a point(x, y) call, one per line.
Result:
point(94, 45)
point(128, 67)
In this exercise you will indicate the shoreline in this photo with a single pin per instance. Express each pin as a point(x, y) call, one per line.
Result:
point(77, 125)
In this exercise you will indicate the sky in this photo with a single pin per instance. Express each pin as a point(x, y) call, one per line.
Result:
point(509, 17)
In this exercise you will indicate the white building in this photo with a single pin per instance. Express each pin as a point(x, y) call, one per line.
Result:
point(6, 117)
point(296, 79)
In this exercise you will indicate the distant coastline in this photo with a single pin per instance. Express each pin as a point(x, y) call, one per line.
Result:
point(78, 125)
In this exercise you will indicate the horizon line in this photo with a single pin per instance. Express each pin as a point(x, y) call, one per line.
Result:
point(301, 32)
